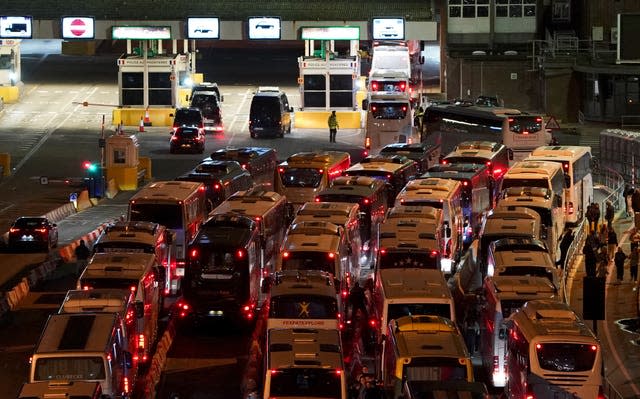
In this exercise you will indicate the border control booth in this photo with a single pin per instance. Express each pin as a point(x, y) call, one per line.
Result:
point(329, 79)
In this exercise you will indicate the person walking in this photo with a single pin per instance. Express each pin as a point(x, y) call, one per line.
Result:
point(590, 216)
point(609, 214)
point(618, 260)
point(358, 301)
point(628, 192)
point(82, 255)
point(612, 242)
point(634, 257)
point(333, 126)
point(603, 263)
point(596, 216)
point(590, 260)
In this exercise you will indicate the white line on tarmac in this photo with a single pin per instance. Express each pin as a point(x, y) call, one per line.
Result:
point(237, 114)
point(49, 132)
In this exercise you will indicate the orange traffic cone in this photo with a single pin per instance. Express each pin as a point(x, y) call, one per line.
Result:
point(147, 120)
point(141, 128)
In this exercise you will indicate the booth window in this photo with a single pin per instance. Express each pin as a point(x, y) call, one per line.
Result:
point(119, 156)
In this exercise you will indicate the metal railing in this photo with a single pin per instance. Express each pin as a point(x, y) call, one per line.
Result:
point(613, 183)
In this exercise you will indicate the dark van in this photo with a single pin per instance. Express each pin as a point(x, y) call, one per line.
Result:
point(259, 161)
point(270, 113)
point(187, 117)
point(220, 179)
point(207, 101)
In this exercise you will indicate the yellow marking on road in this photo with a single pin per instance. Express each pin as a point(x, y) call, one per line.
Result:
point(182, 364)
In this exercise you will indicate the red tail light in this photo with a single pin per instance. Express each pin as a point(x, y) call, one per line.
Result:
point(344, 293)
point(374, 108)
point(193, 254)
point(317, 199)
point(216, 186)
point(14, 230)
point(41, 230)
point(280, 170)
point(240, 254)
point(374, 85)
point(403, 86)
point(404, 108)
point(373, 323)
point(285, 254)
point(367, 143)
point(331, 255)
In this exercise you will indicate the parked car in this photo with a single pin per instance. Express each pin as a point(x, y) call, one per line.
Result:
point(29, 232)
point(187, 139)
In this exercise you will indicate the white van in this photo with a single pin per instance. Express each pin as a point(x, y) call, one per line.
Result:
point(83, 347)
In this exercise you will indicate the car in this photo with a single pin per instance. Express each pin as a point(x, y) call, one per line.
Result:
point(188, 139)
point(187, 117)
point(33, 232)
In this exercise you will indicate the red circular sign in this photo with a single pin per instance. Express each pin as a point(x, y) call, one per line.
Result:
point(78, 28)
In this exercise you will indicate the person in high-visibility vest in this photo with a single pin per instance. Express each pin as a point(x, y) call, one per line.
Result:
point(333, 126)
point(417, 119)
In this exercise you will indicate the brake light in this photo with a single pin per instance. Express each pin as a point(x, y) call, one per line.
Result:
point(373, 323)
point(216, 186)
point(201, 189)
point(497, 171)
point(374, 108)
point(126, 384)
point(316, 199)
point(244, 166)
point(366, 201)
point(280, 170)
point(338, 372)
point(193, 253)
point(41, 230)
point(141, 341)
point(86, 287)
point(434, 253)
point(367, 143)
point(374, 85)
point(258, 218)
point(331, 255)
point(404, 108)
point(403, 86)
point(594, 348)
point(285, 254)
point(13, 230)
point(510, 120)
point(465, 183)
point(538, 120)
point(445, 162)
point(240, 254)
point(538, 346)
point(344, 293)
point(383, 251)
point(132, 288)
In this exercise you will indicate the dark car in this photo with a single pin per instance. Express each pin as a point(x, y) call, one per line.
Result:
point(188, 117)
point(187, 139)
point(29, 232)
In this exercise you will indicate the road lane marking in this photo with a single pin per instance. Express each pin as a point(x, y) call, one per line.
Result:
point(175, 365)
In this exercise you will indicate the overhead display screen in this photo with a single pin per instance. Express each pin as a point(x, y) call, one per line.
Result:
point(330, 33)
point(15, 27)
point(387, 29)
point(78, 28)
point(141, 32)
point(203, 28)
point(264, 28)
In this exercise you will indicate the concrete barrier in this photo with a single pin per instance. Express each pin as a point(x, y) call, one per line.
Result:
point(131, 116)
point(83, 201)
point(10, 94)
point(318, 119)
point(112, 189)
point(60, 212)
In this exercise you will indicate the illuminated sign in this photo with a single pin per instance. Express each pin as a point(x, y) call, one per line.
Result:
point(387, 29)
point(15, 27)
point(330, 33)
point(203, 28)
point(78, 28)
point(141, 32)
point(264, 28)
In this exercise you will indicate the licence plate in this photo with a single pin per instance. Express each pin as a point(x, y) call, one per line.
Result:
point(258, 128)
point(180, 271)
point(186, 145)
point(26, 238)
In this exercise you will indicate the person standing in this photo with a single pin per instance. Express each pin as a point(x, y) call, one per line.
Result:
point(612, 242)
point(590, 260)
point(596, 216)
point(82, 254)
point(628, 192)
point(634, 257)
point(358, 301)
point(608, 214)
point(333, 126)
point(619, 262)
point(603, 263)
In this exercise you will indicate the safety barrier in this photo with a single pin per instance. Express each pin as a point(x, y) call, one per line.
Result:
point(60, 212)
point(147, 386)
point(67, 253)
point(131, 116)
point(112, 189)
point(83, 201)
point(318, 119)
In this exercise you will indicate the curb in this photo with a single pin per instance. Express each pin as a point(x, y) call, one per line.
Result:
point(12, 298)
point(61, 212)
